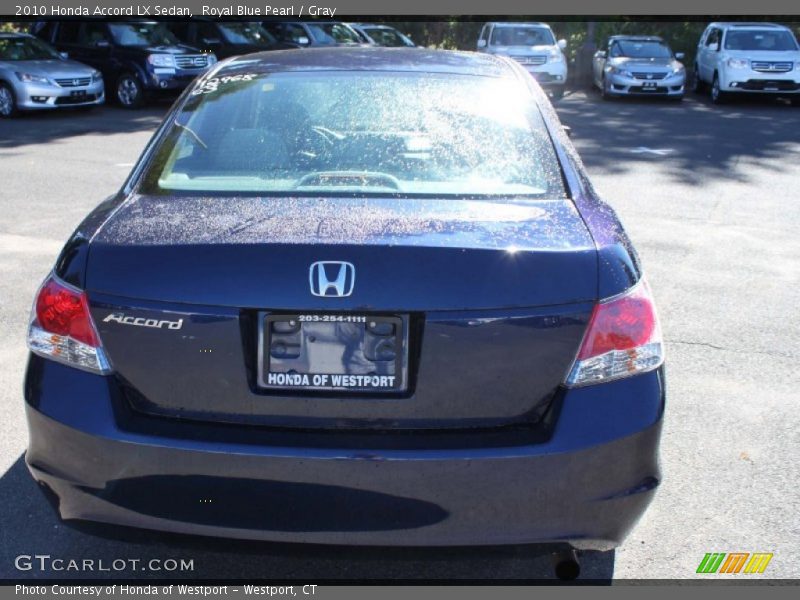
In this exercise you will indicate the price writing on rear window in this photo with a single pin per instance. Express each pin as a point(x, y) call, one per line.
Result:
point(332, 318)
point(208, 86)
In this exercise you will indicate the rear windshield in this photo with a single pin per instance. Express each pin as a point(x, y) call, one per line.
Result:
point(522, 36)
point(358, 133)
point(761, 39)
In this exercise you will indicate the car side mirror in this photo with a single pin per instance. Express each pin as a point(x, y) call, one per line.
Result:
point(562, 44)
point(680, 55)
point(567, 130)
point(481, 43)
point(715, 47)
point(64, 55)
point(303, 40)
point(601, 54)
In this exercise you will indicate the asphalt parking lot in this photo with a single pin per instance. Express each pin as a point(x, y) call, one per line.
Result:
point(709, 196)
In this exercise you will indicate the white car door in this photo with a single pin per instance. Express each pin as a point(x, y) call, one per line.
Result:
point(709, 54)
point(598, 65)
point(700, 50)
point(483, 39)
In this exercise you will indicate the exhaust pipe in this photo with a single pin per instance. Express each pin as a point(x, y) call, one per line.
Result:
point(566, 564)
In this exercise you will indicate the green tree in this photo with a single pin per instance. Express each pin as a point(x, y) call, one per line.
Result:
point(10, 26)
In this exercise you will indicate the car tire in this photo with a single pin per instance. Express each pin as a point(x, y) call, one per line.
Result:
point(129, 91)
point(8, 102)
point(717, 95)
point(676, 98)
point(557, 93)
point(697, 83)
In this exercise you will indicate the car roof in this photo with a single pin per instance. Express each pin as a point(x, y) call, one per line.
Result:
point(420, 60)
point(637, 38)
point(754, 25)
point(517, 24)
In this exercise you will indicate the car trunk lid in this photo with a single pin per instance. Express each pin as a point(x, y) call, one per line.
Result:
point(494, 296)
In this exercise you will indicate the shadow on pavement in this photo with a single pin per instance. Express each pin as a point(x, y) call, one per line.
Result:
point(54, 125)
point(30, 527)
point(699, 141)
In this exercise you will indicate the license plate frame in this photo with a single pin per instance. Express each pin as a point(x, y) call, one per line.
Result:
point(314, 342)
point(649, 86)
point(78, 93)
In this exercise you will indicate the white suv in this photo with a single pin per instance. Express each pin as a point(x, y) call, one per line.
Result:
point(534, 46)
point(748, 58)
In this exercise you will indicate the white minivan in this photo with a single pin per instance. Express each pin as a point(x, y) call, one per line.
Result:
point(534, 46)
point(761, 58)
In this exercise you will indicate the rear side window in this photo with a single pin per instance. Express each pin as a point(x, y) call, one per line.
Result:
point(358, 132)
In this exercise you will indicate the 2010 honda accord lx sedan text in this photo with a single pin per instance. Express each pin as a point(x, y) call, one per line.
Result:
point(352, 296)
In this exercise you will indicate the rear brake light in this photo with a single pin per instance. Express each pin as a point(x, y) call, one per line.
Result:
point(62, 329)
point(623, 338)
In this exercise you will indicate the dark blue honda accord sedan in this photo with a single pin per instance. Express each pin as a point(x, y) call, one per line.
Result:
point(352, 296)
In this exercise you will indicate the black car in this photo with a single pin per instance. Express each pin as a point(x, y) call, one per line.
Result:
point(137, 58)
point(228, 38)
point(315, 33)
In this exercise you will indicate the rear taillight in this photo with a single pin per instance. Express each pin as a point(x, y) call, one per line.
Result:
point(623, 338)
point(62, 329)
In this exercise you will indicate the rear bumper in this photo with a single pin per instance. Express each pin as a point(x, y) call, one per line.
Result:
point(586, 486)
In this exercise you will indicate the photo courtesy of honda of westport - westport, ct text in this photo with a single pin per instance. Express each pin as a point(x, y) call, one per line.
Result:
point(302, 300)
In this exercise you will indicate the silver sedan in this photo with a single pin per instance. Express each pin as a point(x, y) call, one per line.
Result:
point(639, 66)
point(33, 76)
